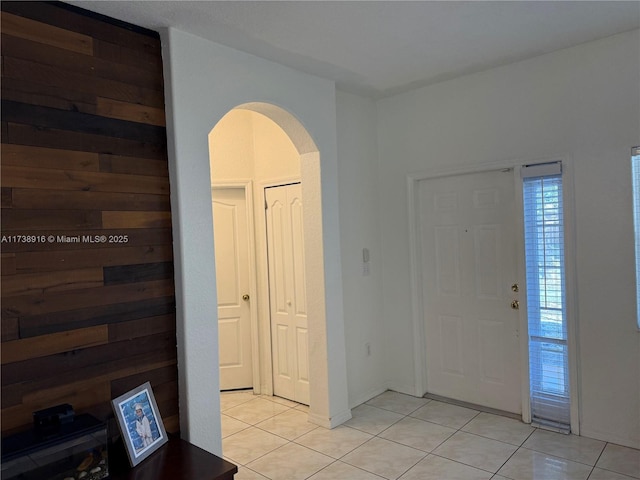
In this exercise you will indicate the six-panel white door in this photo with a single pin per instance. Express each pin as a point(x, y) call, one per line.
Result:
point(469, 264)
point(232, 280)
point(287, 295)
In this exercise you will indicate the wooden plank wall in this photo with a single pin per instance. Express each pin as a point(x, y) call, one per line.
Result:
point(88, 300)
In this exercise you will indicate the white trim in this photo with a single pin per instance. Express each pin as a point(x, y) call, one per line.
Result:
point(332, 422)
point(541, 169)
point(279, 181)
point(635, 152)
point(371, 393)
point(571, 290)
point(417, 305)
point(231, 183)
point(247, 186)
point(522, 282)
point(449, 171)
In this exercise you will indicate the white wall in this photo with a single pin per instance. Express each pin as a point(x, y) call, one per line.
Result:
point(275, 155)
point(231, 147)
point(204, 81)
point(360, 228)
point(583, 102)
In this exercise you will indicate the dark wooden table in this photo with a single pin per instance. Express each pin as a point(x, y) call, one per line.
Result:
point(176, 460)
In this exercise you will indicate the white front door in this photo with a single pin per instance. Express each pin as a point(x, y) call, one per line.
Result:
point(230, 234)
point(469, 264)
point(287, 295)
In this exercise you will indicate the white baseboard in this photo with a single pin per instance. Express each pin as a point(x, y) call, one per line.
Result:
point(609, 437)
point(330, 422)
point(365, 397)
point(406, 389)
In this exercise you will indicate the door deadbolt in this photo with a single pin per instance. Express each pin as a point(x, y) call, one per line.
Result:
point(515, 288)
point(515, 305)
point(245, 297)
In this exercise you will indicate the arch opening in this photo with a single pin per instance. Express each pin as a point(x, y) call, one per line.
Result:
point(243, 131)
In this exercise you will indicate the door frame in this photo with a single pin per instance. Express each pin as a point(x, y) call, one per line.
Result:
point(247, 187)
point(417, 299)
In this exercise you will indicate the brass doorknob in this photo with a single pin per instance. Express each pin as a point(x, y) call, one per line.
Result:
point(245, 297)
point(515, 305)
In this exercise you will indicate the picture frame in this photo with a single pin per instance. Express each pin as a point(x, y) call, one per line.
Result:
point(140, 423)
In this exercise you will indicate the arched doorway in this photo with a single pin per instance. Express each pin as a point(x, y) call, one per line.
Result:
point(240, 160)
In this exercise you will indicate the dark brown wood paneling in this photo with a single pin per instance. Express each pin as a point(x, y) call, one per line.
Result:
point(10, 329)
point(11, 396)
point(83, 64)
point(88, 300)
point(130, 111)
point(63, 259)
point(41, 178)
point(136, 219)
point(36, 157)
point(68, 140)
point(115, 239)
point(51, 302)
point(45, 117)
point(47, 101)
point(38, 283)
point(145, 353)
point(133, 166)
point(8, 266)
point(126, 56)
point(156, 377)
point(28, 91)
point(137, 273)
point(141, 328)
point(53, 76)
point(47, 34)
point(19, 220)
point(44, 345)
point(26, 198)
point(102, 314)
point(6, 196)
point(164, 394)
point(70, 18)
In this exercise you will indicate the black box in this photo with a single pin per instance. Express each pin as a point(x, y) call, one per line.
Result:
point(75, 449)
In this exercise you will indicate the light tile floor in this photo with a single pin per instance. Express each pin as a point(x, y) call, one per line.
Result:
point(396, 436)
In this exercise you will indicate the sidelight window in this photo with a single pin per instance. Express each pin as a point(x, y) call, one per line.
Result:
point(546, 306)
point(635, 177)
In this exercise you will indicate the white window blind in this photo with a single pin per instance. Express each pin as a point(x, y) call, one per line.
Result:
point(635, 177)
point(546, 313)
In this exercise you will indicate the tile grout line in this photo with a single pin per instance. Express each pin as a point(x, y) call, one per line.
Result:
point(403, 416)
point(597, 460)
point(458, 430)
point(426, 453)
point(512, 455)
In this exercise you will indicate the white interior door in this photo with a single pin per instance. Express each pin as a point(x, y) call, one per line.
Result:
point(287, 295)
point(469, 264)
point(232, 278)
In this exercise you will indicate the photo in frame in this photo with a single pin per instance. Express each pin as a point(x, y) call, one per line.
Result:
point(140, 423)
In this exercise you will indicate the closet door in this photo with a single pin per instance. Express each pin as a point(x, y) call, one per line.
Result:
point(287, 295)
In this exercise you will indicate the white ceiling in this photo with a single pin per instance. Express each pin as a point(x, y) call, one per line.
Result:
point(379, 48)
